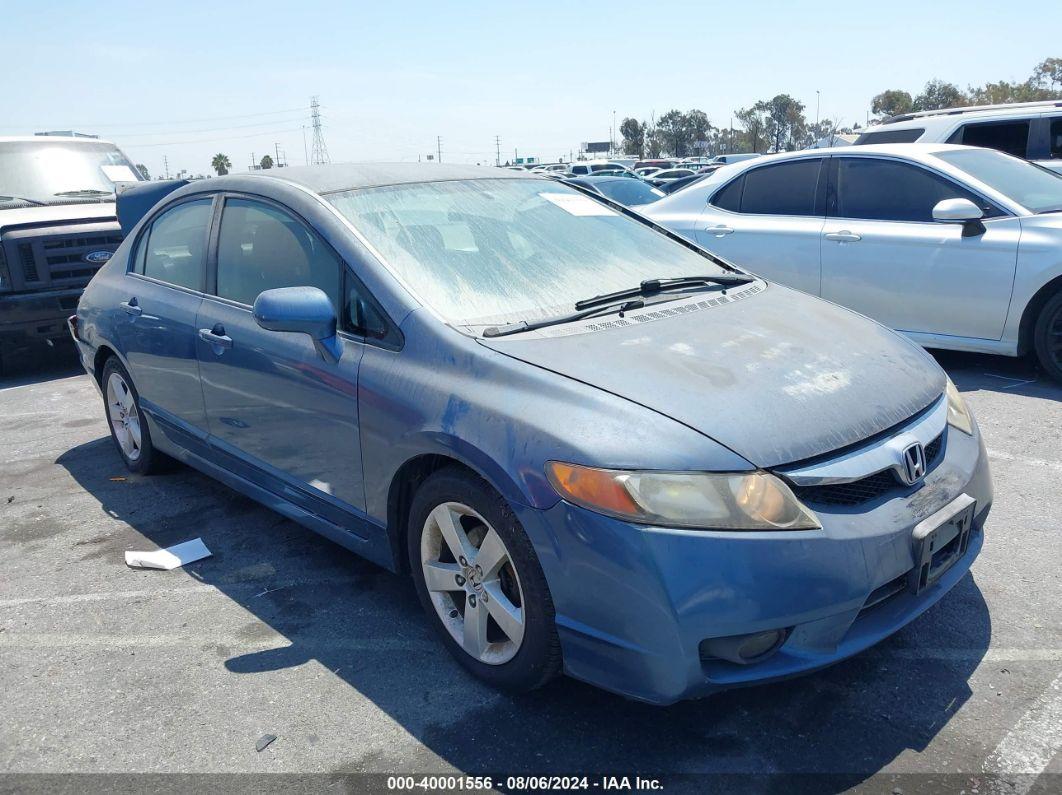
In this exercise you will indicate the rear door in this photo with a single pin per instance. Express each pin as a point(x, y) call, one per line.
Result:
point(769, 220)
point(884, 256)
point(278, 413)
point(160, 297)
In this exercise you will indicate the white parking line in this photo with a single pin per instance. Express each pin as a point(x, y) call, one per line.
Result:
point(1019, 459)
point(80, 640)
point(1030, 746)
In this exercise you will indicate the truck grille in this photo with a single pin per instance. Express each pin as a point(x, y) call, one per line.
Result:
point(865, 489)
point(58, 260)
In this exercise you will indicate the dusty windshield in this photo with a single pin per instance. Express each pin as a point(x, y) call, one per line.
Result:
point(58, 171)
point(494, 251)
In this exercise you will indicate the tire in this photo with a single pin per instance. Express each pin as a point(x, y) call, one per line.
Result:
point(1047, 336)
point(508, 599)
point(129, 429)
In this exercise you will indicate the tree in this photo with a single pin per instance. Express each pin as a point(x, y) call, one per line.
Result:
point(633, 133)
point(892, 102)
point(786, 125)
point(221, 164)
point(754, 120)
point(143, 170)
point(1048, 75)
point(267, 162)
point(698, 131)
point(671, 130)
point(938, 95)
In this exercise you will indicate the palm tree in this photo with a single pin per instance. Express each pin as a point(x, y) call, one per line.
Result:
point(221, 164)
point(267, 162)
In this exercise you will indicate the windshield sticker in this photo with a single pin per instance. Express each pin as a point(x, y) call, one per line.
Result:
point(119, 173)
point(577, 204)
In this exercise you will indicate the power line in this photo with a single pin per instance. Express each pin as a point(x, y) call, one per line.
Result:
point(320, 149)
point(170, 123)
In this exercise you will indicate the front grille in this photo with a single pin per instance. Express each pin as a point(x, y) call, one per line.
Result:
point(58, 260)
point(865, 489)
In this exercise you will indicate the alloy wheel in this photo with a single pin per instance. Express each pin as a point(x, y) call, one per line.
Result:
point(1054, 338)
point(124, 417)
point(472, 583)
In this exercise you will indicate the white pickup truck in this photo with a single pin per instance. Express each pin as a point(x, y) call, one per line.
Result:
point(57, 228)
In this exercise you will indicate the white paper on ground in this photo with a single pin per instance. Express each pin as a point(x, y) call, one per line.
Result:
point(577, 204)
point(169, 558)
point(119, 173)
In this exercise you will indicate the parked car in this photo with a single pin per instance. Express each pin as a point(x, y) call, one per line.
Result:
point(586, 167)
point(648, 171)
point(57, 228)
point(653, 163)
point(1032, 130)
point(668, 174)
point(957, 247)
point(595, 448)
point(623, 189)
point(680, 183)
point(725, 160)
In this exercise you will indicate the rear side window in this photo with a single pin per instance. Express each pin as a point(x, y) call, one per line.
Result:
point(1011, 137)
point(729, 198)
point(173, 249)
point(783, 189)
point(908, 136)
point(262, 248)
point(888, 190)
point(1056, 137)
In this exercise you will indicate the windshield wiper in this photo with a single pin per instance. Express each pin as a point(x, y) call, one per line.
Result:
point(654, 286)
point(523, 325)
point(85, 192)
point(5, 198)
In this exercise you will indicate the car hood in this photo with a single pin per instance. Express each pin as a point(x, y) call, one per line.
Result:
point(776, 375)
point(21, 216)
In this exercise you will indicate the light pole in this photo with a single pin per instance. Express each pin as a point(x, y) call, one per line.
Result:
point(816, 110)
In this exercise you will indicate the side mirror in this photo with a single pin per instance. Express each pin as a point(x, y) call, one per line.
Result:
point(960, 211)
point(304, 310)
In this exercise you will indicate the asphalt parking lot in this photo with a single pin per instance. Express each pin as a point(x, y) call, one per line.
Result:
point(107, 669)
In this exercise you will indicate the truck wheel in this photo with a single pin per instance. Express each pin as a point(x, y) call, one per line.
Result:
point(129, 428)
point(1047, 336)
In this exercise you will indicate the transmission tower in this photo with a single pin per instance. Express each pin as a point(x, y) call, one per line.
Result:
point(319, 152)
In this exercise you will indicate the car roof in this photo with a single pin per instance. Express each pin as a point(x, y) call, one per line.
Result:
point(949, 116)
point(911, 150)
point(336, 177)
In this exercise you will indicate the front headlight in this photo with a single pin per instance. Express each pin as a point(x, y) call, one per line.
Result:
point(714, 501)
point(958, 413)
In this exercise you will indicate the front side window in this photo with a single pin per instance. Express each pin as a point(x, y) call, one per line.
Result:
point(1009, 137)
point(1056, 137)
point(262, 248)
point(888, 190)
point(1033, 187)
point(490, 251)
point(173, 248)
point(782, 189)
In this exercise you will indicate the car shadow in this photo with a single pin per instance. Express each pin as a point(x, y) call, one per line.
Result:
point(39, 366)
point(982, 371)
point(312, 600)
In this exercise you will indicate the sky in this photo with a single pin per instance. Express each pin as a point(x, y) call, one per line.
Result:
point(187, 80)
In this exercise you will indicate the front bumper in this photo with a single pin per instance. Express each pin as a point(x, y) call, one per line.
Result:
point(29, 320)
point(634, 603)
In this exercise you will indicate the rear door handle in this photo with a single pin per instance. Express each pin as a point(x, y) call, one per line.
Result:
point(844, 236)
point(216, 337)
point(719, 231)
point(132, 307)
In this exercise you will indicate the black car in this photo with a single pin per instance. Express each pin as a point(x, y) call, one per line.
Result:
point(628, 191)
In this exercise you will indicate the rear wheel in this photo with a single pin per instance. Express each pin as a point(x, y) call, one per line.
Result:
point(129, 429)
point(1047, 336)
point(480, 582)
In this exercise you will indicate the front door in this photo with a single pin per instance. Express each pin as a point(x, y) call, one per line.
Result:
point(279, 413)
point(884, 256)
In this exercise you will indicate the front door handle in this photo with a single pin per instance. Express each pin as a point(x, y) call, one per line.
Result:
point(132, 307)
point(719, 231)
point(844, 236)
point(216, 337)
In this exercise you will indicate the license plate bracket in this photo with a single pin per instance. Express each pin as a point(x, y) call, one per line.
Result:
point(940, 540)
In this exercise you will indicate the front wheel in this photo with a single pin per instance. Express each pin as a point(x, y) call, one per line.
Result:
point(1047, 336)
point(480, 582)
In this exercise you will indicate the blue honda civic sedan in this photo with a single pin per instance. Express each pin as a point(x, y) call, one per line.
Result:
point(597, 448)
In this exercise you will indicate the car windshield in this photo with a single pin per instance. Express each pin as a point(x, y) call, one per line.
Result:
point(1032, 186)
point(54, 171)
point(630, 191)
point(495, 251)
